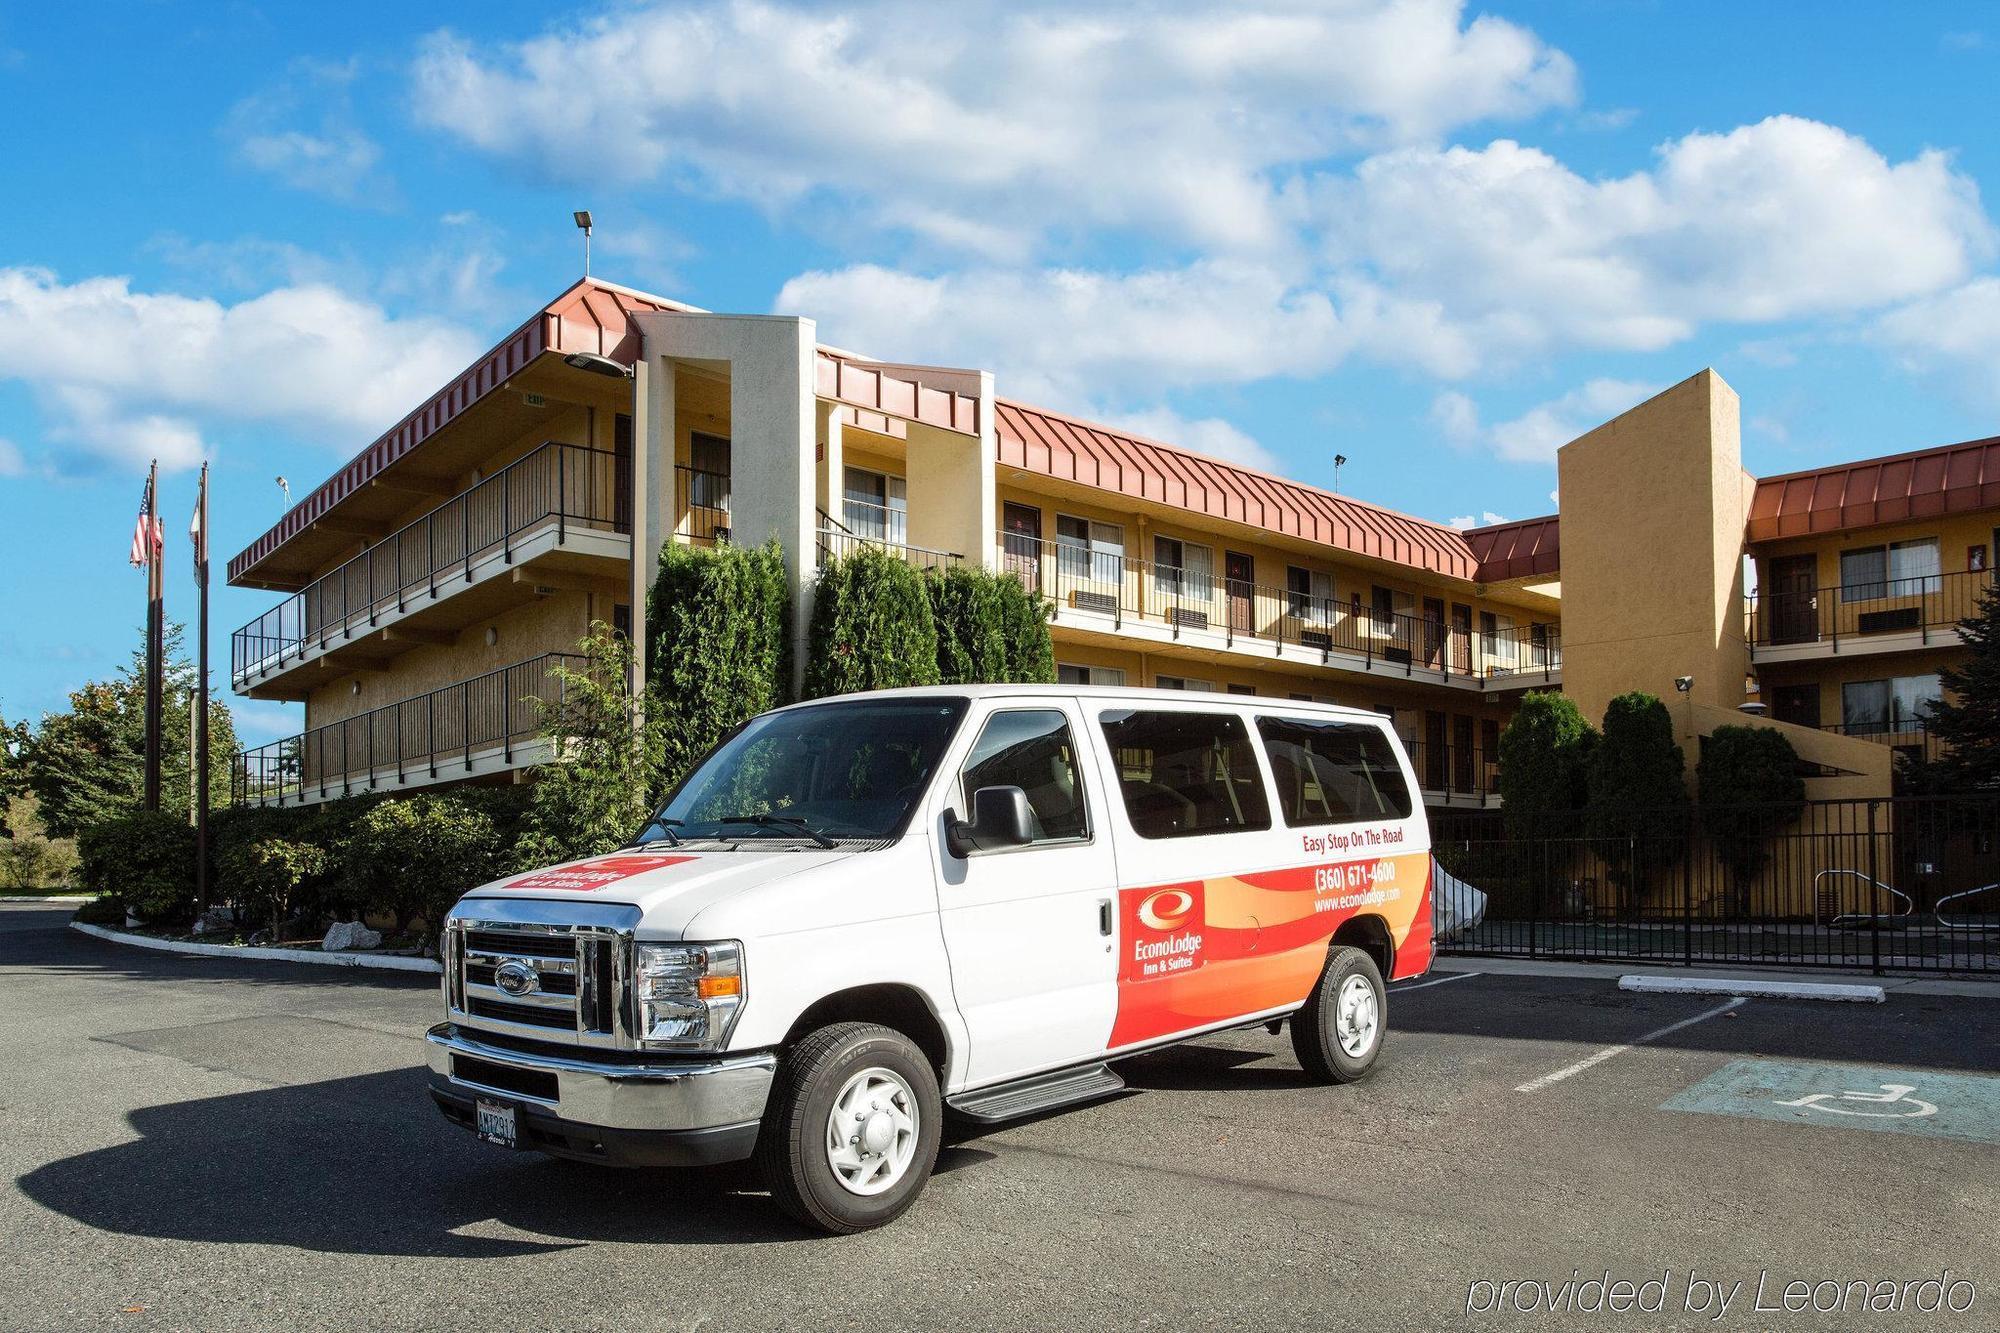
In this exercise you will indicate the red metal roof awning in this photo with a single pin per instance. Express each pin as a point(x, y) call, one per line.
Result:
point(1525, 548)
point(1037, 440)
point(591, 316)
point(1950, 479)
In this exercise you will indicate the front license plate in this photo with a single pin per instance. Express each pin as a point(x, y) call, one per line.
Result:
point(496, 1123)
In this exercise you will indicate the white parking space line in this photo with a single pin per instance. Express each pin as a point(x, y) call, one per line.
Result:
point(1592, 1061)
point(1434, 981)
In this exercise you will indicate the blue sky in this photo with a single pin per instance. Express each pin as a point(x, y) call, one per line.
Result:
point(1436, 238)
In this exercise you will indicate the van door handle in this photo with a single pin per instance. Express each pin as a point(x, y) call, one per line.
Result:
point(1104, 916)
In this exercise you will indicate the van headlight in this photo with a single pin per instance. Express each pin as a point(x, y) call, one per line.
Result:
point(688, 994)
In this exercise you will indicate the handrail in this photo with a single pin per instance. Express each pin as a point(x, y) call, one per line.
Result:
point(1909, 904)
point(554, 481)
point(452, 721)
point(836, 540)
point(1919, 604)
point(1937, 909)
point(1075, 578)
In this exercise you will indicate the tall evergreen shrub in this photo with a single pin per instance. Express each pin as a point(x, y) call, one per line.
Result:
point(1544, 759)
point(1638, 790)
point(872, 627)
point(720, 648)
point(990, 629)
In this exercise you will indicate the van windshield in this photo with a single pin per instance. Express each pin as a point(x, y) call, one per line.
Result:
point(849, 770)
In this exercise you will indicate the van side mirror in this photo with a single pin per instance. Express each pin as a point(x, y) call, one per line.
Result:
point(1001, 818)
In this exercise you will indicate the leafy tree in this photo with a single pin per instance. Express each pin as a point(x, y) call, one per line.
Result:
point(1637, 809)
point(29, 858)
point(1750, 790)
point(720, 622)
point(418, 855)
point(1544, 759)
point(990, 629)
point(145, 858)
point(607, 780)
point(88, 762)
point(1968, 720)
point(872, 627)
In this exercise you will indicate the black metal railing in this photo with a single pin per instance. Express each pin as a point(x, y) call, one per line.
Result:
point(1455, 772)
point(1927, 606)
point(704, 500)
point(557, 485)
point(426, 737)
point(1890, 884)
point(1905, 735)
point(837, 541)
point(1216, 610)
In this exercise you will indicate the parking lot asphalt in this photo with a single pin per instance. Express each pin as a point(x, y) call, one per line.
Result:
point(199, 1143)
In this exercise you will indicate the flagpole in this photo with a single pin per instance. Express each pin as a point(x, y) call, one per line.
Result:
point(154, 635)
point(200, 776)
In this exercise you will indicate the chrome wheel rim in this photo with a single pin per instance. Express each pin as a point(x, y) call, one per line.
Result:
point(1357, 1017)
point(872, 1131)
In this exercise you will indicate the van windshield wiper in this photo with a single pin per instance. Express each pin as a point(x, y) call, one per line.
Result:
point(667, 835)
point(792, 822)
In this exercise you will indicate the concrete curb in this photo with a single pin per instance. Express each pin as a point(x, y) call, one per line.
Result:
point(376, 962)
point(56, 898)
point(1767, 990)
point(1962, 985)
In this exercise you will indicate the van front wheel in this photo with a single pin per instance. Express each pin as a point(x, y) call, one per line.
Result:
point(851, 1131)
point(1338, 1032)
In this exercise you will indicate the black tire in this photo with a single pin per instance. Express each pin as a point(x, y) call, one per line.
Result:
point(791, 1150)
point(1315, 1035)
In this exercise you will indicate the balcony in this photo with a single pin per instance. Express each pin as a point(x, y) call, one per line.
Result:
point(1896, 615)
point(1459, 776)
point(1103, 593)
point(1907, 736)
point(558, 514)
point(879, 528)
point(486, 725)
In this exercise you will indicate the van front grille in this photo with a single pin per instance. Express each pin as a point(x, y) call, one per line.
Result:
point(572, 974)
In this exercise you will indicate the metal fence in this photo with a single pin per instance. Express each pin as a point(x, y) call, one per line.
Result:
point(421, 737)
point(1910, 883)
point(559, 485)
point(1104, 587)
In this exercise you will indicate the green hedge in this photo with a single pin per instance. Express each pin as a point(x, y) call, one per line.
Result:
point(720, 645)
point(872, 627)
point(989, 628)
point(145, 859)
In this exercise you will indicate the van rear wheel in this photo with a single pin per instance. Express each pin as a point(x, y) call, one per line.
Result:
point(851, 1131)
point(1338, 1032)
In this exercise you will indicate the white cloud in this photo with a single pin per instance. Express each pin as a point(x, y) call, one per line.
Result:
point(12, 464)
point(1205, 435)
point(1783, 219)
point(126, 375)
point(1007, 123)
point(1955, 335)
point(328, 154)
point(1535, 435)
point(1486, 519)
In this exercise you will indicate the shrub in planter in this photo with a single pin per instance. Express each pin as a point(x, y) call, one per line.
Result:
point(872, 627)
point(145, 857)
point(989, 628)
point(606, 783)
point(267, 878)
point(415, 857)
point(720, 646)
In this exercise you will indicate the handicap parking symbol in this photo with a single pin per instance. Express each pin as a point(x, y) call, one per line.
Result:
point(1896, 1101)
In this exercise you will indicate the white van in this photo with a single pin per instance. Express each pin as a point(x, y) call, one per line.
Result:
point(860, 911)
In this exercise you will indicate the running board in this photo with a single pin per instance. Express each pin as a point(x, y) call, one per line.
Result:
point(1030, 1096)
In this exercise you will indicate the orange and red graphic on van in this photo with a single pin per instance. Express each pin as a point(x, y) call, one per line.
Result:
point(590, 876)
point(1204, 951)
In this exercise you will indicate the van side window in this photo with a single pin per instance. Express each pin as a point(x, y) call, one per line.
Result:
point(1331, 772)
point(1031, 749)
point(1183, 774)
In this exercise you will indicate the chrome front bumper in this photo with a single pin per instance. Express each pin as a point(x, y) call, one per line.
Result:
point(704, 1092)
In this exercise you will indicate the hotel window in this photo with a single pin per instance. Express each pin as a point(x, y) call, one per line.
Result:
point(1089, 552)
point(1183, 569)
point(1182, 683)
point(1069, 674)
point(1384, 602)
point(1900, 569)
point(1308, 594)
point(1886, 707)
point(875, 505)
point(1243, 689)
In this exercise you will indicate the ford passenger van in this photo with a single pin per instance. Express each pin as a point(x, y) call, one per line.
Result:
point(860, 912)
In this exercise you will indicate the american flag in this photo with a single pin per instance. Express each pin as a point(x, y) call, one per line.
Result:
point(148, 534)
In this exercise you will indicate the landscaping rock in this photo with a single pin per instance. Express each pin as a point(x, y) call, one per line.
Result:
point(214, 919)
point(350, 935)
